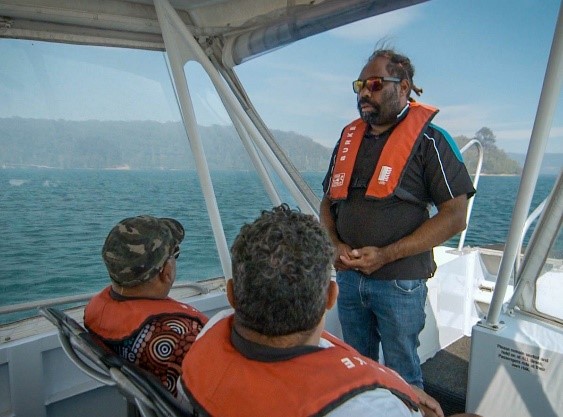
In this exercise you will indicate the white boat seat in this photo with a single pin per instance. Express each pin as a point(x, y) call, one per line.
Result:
point(145, 395)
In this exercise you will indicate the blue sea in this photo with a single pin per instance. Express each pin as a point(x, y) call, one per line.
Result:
point(54, 222)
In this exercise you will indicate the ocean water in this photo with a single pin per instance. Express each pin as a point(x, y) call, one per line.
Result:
point(53, 222)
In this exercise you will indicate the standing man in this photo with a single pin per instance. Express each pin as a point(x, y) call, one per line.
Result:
point(386, 170)
point(134, 315)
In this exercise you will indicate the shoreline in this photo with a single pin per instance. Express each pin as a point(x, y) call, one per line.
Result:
point(500, 175)
point(161, 169)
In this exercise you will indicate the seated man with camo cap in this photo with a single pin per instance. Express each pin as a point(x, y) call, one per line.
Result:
point(134, 315)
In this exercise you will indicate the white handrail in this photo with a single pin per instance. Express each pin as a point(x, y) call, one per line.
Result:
point(475, 182)
point(533, 216)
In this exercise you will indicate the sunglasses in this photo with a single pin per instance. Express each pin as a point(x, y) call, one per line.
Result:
point(373, 83)
point(174, 255)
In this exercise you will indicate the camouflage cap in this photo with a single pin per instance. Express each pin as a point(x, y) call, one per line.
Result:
point(137, 247)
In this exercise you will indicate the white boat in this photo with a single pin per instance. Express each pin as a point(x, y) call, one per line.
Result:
point(508, 305)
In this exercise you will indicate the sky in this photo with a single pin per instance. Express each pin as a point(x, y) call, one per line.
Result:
point(481, 62)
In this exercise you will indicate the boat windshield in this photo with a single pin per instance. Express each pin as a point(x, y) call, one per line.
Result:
point(81, 153)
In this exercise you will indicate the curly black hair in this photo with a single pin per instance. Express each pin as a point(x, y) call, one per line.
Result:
point(281, 272)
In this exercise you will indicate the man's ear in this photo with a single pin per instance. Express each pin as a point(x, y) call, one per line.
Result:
point(332, 294)
point(405, 86)
point(165, 275)
point(231, 293)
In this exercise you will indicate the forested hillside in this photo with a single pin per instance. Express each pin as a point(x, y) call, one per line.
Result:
point(137, 145)
point(97, 144)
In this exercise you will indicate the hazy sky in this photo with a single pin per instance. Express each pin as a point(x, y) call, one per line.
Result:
point(482, 62)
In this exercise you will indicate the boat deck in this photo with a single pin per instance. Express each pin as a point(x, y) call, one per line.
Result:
point(445, 376)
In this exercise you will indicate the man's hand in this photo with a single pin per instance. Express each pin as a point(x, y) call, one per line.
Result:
point(428, 405)
point(366, 260)
point(343, 251)
point(449, 220)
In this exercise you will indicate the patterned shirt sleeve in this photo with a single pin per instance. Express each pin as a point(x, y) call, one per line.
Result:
point(160, 346)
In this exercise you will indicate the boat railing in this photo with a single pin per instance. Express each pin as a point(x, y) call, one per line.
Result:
point(477, 144)
point(81, 298)
point(531, 218)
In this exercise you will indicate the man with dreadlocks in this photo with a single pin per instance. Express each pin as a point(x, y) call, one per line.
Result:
point(388, 167)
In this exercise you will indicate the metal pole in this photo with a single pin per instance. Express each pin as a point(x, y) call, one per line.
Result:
point(174, 51)
point(536, 150)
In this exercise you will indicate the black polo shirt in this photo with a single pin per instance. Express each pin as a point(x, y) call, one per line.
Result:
point(434, 174)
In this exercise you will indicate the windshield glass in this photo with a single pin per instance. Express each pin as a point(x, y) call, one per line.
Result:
point(78, 154)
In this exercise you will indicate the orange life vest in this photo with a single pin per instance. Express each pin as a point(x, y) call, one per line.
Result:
point(394, 157)
point(102, 312)
point(224, 383)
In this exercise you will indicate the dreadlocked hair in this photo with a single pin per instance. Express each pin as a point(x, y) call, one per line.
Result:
point(399, 66)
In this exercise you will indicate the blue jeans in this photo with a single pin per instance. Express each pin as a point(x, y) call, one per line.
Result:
point(391, 312)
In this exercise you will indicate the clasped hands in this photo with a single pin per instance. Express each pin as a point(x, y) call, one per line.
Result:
point(366, 260)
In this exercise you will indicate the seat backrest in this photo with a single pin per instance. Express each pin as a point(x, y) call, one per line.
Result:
point(97, 360)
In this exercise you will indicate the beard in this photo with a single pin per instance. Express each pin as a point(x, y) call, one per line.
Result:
point(384, 113)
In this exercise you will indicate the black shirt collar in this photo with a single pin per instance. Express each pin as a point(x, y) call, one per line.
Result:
point(263, 353)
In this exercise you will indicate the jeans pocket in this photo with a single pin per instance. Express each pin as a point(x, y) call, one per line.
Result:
point(408, 285)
